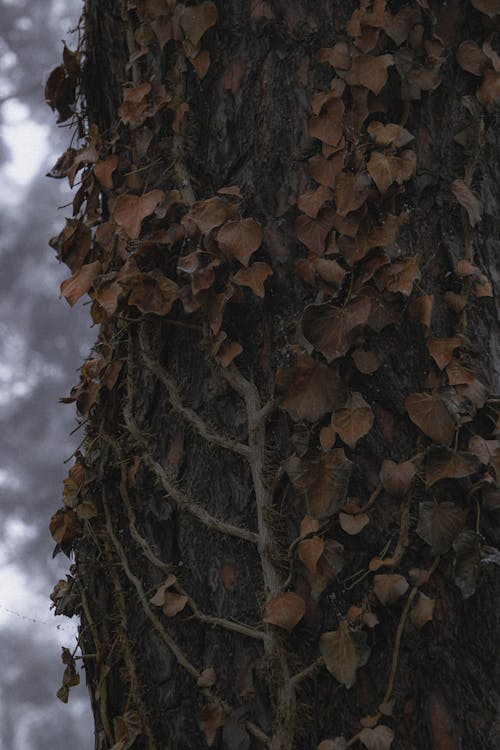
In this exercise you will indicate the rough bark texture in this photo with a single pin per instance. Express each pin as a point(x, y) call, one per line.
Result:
point(248, 126)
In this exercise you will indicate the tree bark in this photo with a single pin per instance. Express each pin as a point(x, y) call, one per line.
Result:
point(199, 470)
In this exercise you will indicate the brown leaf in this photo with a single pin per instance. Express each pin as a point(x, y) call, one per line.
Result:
point(285, 610)
point(402, 274)
point(490, 8)
point(313, 232)
point(104, 169)
point(455, 302)
point(207, 215)
point(467, 547)
point(439, 524)
point(423, 611)
point(312, 389)
point(430, 414)
point(443, 463)
point(328, 127)
point(135, 108)
point(240, 239)
point(207, 678)
point(321, 483)
point(421, 309)
point(369, 71)
point(173, 603)
point(482, 287)
point(386, 169)
point(389, 135)
point(353, 525)
point(152, 293)
point(339, 743)
point(354, 420)
point(310, 550)
point(366, 360)
point(441, 350)
point(380, 738)
point(311, 202)
point(197, 19)
point(64, 526)
point(350, 192)
point(333, 330)
point(225, 351)
point(338, 57)
point(487, 451)
point(232, 190)
point(459, 374)
point(72, 244)
point(344, 652)
point(468, 200)
point(397, 478)
point(389, 588)
point(130, 210)
point(79, 284)
point(326, 171)
point(212, 717)
point(471, 58)
point(254, 277)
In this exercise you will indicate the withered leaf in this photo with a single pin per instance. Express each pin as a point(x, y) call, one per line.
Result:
point(197, 19)
point(367, 361)
point(421, 309)
point(225, 351)
point(325, 171)
point(380, 738)
point(401, 275)
point(369, 71)
point(490, 8)
point(312, 389)
point(389, 135)
point(78, 284)
point(207, 214)
point(328, 126)
point(285, 610)
point(333, 330)
point(353, 525)
point(173, 603)
point(133, 109)
point(212, 717)
point(443, 463)
point(354, 420)
point(310, 551)
point(254, 277)
point(130, 210)
point(350, 192)
point(207, 678)
point(386, 169)
point(344, 652)
point(104, 169)
point(423, 610)
point(152, 293)
point(240, 239)
point(389, 588)
point(467, 547)
point(468, 200)
point(455, 302)
point(339, 743)
point(64, 526)
point(311, 202)
point(430, 414)
point(313, 232)
point(338, 56)
point(439, 524)
point(321, 483)
point(471, 58)
point(397, 478)
point(487, 451)
point(441, 350)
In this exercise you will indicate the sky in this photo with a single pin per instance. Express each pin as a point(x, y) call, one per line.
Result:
point(42, 345)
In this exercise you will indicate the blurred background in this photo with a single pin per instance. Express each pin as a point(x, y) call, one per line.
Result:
point(42, 344)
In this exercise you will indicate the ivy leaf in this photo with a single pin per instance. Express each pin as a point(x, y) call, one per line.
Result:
point(369, 71)
point(380, 738)
point(312, 389)
point(490, 8)
point(389, 135)
point(130, 210)
point(443, 463)
point(344, 652)
point(468, 200)
point(354, 420)
point(471, 58)
point(310, 551)
point(467, 547)
point(254, 277)
point(333, 330)
point(311, 202)
point(104, 169)
point(439, 524)
point(152, 293)
point(353, 525)
point(389, 587)
point(81, 281)
point(423, 611)
point(397, 478)
point(207, 215)
point(487, 451)
point(328, 127)
point(441, 350)
point(240, 239)
point(401, 275)
point(322, 483)
point(285, 610)
point(430, 414)
point(212, 717)
point(197, 19)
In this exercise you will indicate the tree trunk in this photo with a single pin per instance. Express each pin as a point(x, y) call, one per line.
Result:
point(284, 520)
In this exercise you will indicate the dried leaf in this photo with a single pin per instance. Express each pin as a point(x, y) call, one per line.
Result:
point(380, 738)
point(482, 287)
point(366, 361)
point(313, 232)
point(423, 611)
point(402, 274)
point(443, 463)
point(430, 414)
point(471, 58)
point(397, 478)
point(468, 200)
point(490, 8)
point(310, 551)
point(389, 135)
point(197, 19)
point(311, 202)
point(350, 191)
point(79, 284)
point(354, 420)
point(104, 169)
point(344, 652)
point(207, 678)
point(240, 239)
point(369, 71)
point(421, 309)
point(130, 210)
point(389, 588)
point(441, 350)
point(312, 389)
point(212, 717)
point(285, 610)
point(135, 108)
point(254, 277)
point(339, 743)
point(321, 483)
point(386, 169)
point(455, 302)
point(225, 351)
point(467, 547)
point(353, 525)
point(338, 57)
point(152, 293)
point(333, 330)
point(487, 451)
point(207, 215)
point(326, 171)
point(328, 127)
point(439, 524)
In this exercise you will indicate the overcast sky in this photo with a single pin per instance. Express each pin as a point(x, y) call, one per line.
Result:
point(42, 344)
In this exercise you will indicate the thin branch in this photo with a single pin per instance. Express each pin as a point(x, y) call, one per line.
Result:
point(307, 672)
point(221, 622)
